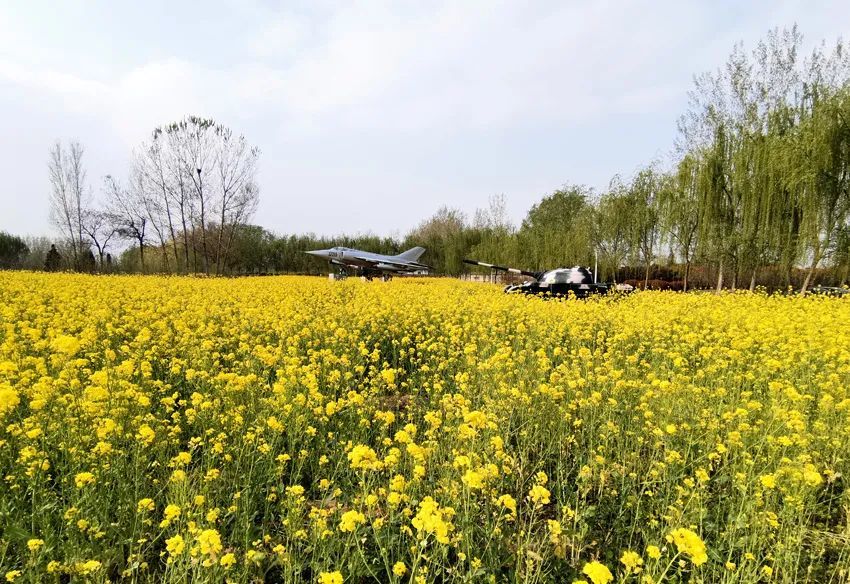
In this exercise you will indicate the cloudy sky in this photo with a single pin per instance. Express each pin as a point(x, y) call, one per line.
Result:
point(370, 115)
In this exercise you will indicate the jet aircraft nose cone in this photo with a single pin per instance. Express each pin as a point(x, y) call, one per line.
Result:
point(318, 253)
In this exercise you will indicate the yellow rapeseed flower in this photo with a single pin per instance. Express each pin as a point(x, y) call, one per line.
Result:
point(631, 560)
point(689, 543)
point(82, 479)
point(330, 578)
point(204, 404)
point(175, 545)
point(209, 541)
point(597, 572)
point(432, 519)
point(350, 520)
point(653, 551)
point(362, 457)
point(539, 495)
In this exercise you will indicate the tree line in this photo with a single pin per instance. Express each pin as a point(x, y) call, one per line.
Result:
point(755, 192)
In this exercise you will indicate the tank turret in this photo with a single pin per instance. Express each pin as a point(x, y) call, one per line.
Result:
point(558, 282)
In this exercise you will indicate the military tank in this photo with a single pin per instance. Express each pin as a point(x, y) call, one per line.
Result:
point(577, 280)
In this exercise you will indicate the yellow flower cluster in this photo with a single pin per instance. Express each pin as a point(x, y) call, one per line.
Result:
point(173, 429)
point(432, 519)
point(690, 544)
point(598, 573)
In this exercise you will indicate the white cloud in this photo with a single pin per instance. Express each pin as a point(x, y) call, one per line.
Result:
point(81, 90)
point(375, 67)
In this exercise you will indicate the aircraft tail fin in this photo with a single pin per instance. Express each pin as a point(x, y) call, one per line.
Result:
point(412, 255)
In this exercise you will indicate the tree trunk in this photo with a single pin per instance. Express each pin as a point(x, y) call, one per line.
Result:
point(80, 225)
point(173, 239)
point(719, 277)
point(142, 254)
point(73, 241)
point(204, 259)
point(808, 279)
point(170, 220)
point(220, 236)
point(736, 265)
point(230, 239)
point(194, 251)
point(811, 270)
point(753, 280)
point(646, 276)
point(204, 237)
point(164, 246)
point(185, 238)
point(687, 273)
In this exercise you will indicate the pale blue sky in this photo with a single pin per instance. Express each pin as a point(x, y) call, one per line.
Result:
point(370, 115)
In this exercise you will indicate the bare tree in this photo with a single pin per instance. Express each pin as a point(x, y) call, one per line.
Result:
point(149, 168)
point(156, 212)
point(98, 227)
point(243, 207)
point(197, 157)
point(69, 194)
point(127, 213)
point(197, 183)
point(77, 184)
point(235, 166)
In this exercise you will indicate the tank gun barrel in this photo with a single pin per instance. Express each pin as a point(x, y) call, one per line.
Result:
point(535, 275)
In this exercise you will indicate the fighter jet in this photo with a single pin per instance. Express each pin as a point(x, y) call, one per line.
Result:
point(368, 264)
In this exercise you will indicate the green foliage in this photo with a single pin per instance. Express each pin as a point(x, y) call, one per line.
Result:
point(558, 230)
point(13, 251)
point(612, 223)
point(446, 238)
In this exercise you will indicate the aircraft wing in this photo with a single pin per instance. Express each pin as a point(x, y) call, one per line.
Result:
point(399, 265)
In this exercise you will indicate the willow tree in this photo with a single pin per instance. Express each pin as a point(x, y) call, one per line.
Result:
point(718, 203)
point(445, 237)
point(611, 228)
point(730, 130)
point(493, 233)
point(771, 215)
point(824, 154)
point(709, 133)
point(753, 166)
point(679, 206)
point(842, 254)
point(644, 221)
point(557, 231)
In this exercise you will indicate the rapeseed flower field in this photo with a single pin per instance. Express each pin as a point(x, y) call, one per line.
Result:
point(297, 430)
